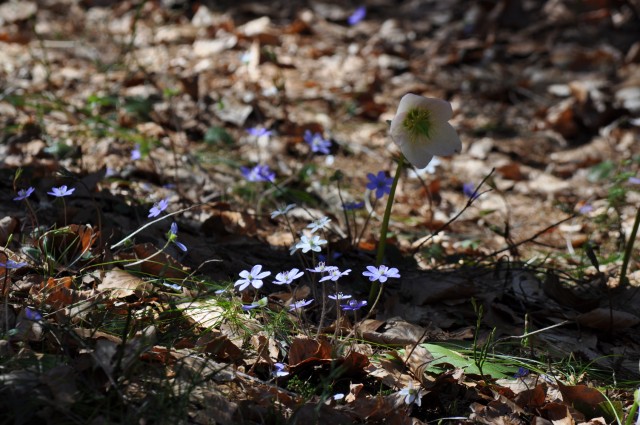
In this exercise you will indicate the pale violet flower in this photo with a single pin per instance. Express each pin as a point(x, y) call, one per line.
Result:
point(259, 132)
point(279, 370)
point(299, 304)
point(317, 143)
point(335, 274)
point(253, 278)
point(319, 224)
point(353, 305)
point(313, 244)
point(135, 153)
point(10, 264)
point(357, 16)
point(381, 273)
point(322, 268)
point(421, 129)
point(380, 183)
point(24, 194)
point(339, 296)
point(286, 278)
point(61, 191)
point(282, 211)
point(412, 394)
point(158, 207)
point(173, 286)
point(172, 236)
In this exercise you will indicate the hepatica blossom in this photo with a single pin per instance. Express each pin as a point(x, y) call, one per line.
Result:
point(158, 207)
point(172, 236)
point(469, 190)
point(253, 278)
point(259, 131)
point(286, 278)
point(299, 304)
point(317, 143)
point(10, 264)
point(339, 296)
point(135, 153)
point(335, 274)
point(421, 129)
point(381, 273)
point(380, 183)
point(313, 244)
point(322, 268)
point(412, 394)
point(282, 211)
point(279, 370)
point(61, 191)
point(23, 194)
point(319, 224)
point(353, 305)
point(259, 173)
point(357, 16)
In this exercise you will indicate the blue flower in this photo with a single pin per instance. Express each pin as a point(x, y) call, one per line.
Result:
point(173, 237)
point(135, 153)
point(634, 180)
point(32, 314)
point(24, 194)
point(259, 173)
point(380, 183)
point(381, 273)
point(299, 304)
point(358, 15)
point(158, 207)
point(317, 143)
point(521, 373)
point(353, 305)
point(279, 370)
point(61, 191)
point(350, 206)
point(469, 190)
point(259, 131)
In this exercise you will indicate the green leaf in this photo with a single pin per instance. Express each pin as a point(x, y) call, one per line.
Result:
point(445, 357)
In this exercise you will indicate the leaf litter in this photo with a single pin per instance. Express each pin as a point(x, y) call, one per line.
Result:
point(544, 92)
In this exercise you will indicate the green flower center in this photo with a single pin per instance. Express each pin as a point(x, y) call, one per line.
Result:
point(417, 124)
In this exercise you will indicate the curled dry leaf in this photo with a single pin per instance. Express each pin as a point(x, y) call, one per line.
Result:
point(122, 284)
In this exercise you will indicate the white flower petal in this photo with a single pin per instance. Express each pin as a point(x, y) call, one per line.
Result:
point(445, 140)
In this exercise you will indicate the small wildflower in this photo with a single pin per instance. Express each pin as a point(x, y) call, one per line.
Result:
point(259, 131)
point(135, 153)
point(353, 305)
point(339, 296)
point(312, 244)
point(173, 286)
point(317, 143)
point(469, 190)
point(357, 16)
point(380, 183)
point(158, 207)
point(279, 371)
point(61, 191)
point(338, 396)
point(521, 373)
point(253, 278)
point(350, 206)
point(634, 180)
point(319, 224)
point(299, 304)
point(32, 314)
point(322, 268)
point(260, 303)
point(10, 264)
point(282, 211)
point(421, 129)
point(335, 274)
point(286, 278)
point(412, 394)
point(381, 273)
point(173, 237)
point(259, 173)
point(585, 209)
point(24, 194)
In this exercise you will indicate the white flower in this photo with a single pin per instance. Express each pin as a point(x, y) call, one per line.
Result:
point(381, 273)
point(335, 274)
point(285, 278)
point(319, 224)
point(312, 244)
point(412, 394)
point(421, 129)
point(282, 211)
point(253, 278)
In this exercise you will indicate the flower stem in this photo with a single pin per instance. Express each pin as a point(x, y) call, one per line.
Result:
point(629, 249)
point(382, 243)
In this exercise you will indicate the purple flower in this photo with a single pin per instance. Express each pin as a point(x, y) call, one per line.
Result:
point(380, 183)
point(10, 264)
point(259, 173)
point(279, 370)
point(335, 274)
point(339, 296)
point(634, 180)
point(469, 190)
point(317, 143)
point(299, 304)
point(350, 206)
point(32, 314)
point(358, 15)
point(61, 191)
point(286, 278)
point(253, 278)
point(173, 237)
point(259, 131)
point(353, 305)
point(24, 194)
point(521, 373)
point(158, 207)
point(585, 209)
point(135, 153)
point(381, 273)
point(260, 303)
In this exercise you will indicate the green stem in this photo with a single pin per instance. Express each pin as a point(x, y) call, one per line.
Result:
point(629, 249)
point(382, 243)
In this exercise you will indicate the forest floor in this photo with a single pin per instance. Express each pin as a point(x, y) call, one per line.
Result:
point(511, 306)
